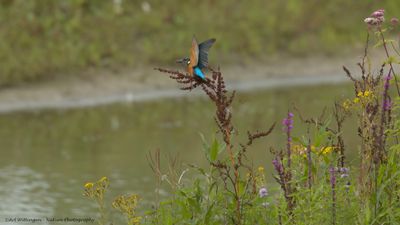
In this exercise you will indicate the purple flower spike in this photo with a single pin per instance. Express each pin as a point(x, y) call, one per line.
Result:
point(333, 177)
point(344, 170)
point(275, 162)
point(387, 105)
point(263, 192)
point(387, 81)
point(287, 127)
point(278, 166)
point(285, 122)
point(288, 122)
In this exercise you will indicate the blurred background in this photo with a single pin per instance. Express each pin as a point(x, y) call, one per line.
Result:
point(42, 39)
point(57, 57)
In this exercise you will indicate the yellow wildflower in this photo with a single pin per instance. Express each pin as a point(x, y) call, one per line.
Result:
point(313, 148)
point(299, 149)
point(327, 150)
point(356, 100)
point(89, 185)
point(364, 94)
point(136, 220)
point(127, 205)
point(346, 104)
point(103, 179)
point(259, 177)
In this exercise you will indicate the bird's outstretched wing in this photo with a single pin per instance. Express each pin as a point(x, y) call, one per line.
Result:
point(194, 53)
point(203, 52)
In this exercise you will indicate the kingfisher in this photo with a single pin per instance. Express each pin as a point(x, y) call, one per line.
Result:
point(198, 59)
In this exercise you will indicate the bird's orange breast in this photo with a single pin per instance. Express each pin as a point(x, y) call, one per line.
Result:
point(190, 70)
point(194, 55)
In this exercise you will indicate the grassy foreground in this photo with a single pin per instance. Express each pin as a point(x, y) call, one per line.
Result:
point(41, 38)
point(315, 182)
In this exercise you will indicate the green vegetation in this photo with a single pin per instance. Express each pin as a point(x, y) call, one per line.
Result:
point(315, 181)
point(41, 38)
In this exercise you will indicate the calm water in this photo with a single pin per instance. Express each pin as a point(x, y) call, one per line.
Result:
point(46, 157)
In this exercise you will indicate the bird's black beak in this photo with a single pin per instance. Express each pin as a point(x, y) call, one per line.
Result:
point(179, 61)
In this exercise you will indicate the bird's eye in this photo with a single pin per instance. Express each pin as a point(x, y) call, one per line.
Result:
point(188, 62)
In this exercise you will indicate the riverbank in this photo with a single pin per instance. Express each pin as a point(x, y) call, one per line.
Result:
point(48, 37)
point(144, 84)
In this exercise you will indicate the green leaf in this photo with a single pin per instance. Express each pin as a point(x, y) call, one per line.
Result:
point(212, 186)
point(208, 214)
point(194, 204)
point(201, 170)
point(214, 150)
point(321, 135)
point(221, 148)
point(390, 60)
point(206, 146)
point(242, 188)
point(298, 140)
point(378, 44)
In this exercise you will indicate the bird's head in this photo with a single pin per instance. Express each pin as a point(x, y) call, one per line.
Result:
point(184, 61)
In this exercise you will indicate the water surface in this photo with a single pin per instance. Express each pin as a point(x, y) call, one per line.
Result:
point(47, 156)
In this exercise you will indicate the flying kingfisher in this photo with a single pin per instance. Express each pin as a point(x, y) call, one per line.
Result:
point(198, 59)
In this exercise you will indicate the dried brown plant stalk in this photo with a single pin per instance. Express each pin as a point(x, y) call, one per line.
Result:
point(375, 117)
point(215, 89)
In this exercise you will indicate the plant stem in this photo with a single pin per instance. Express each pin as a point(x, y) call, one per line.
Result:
point(390, 63)
point(333, 187)
point(236, 172)
point(309, 160)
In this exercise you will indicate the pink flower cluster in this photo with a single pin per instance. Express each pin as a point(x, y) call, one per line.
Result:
point(394, 21)
point(376, 18)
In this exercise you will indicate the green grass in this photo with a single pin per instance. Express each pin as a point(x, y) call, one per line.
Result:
point(42, 38)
